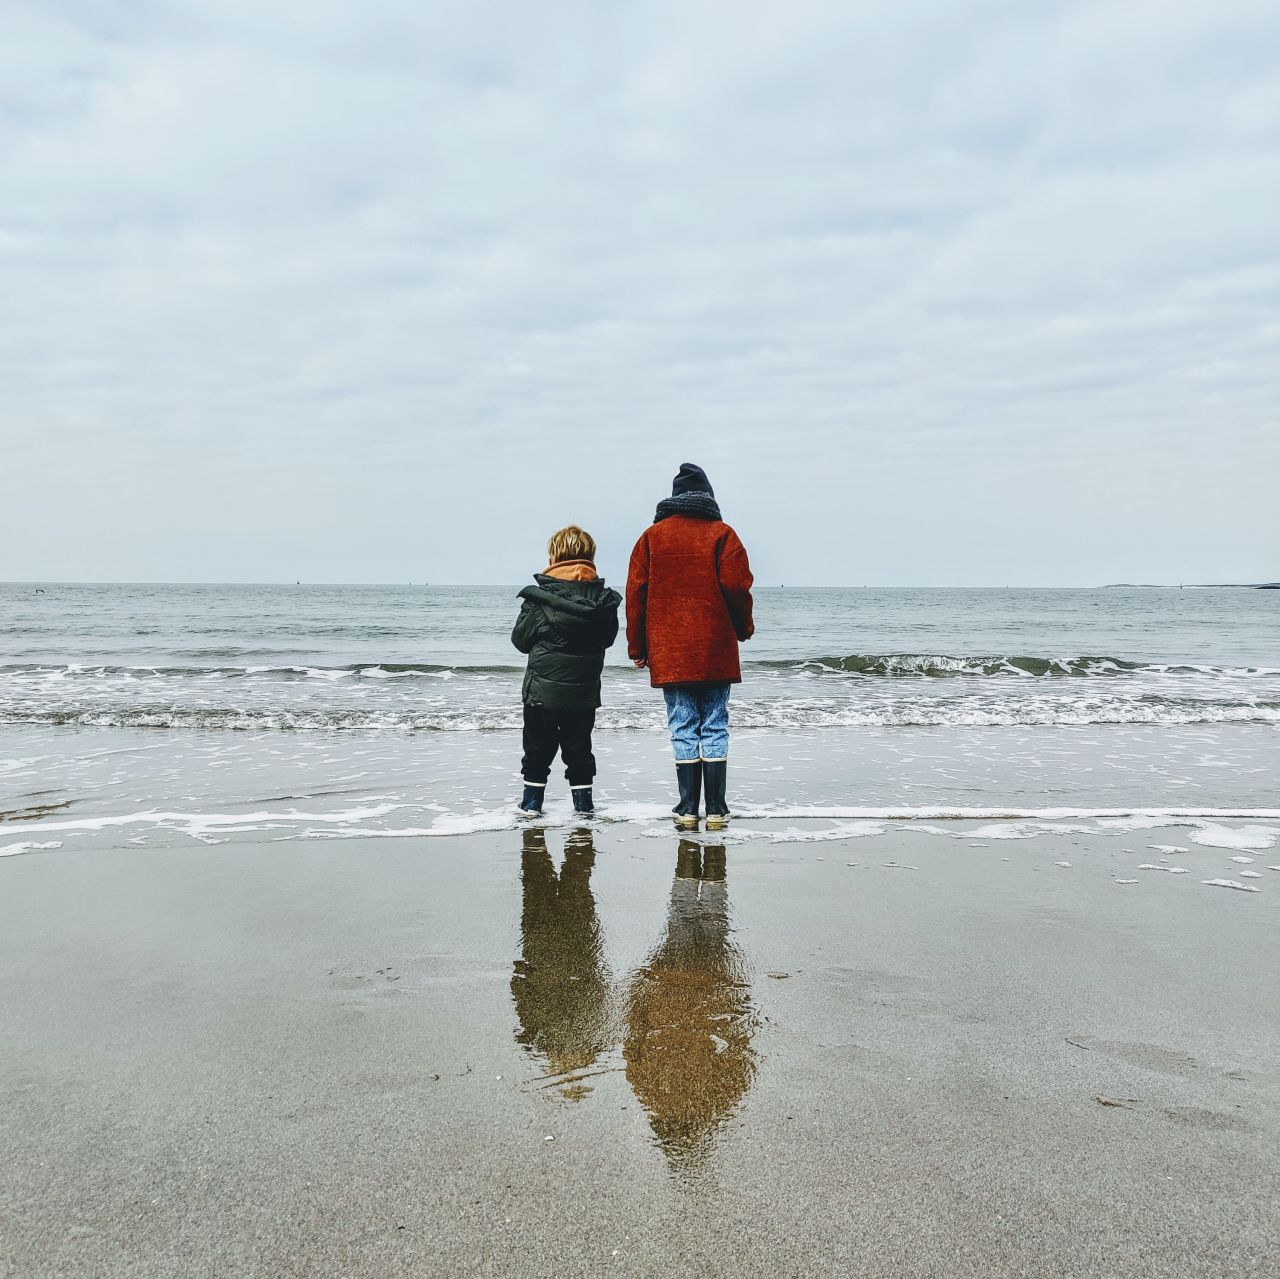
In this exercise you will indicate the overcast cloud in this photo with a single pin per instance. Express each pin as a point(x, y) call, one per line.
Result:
point(938, 294)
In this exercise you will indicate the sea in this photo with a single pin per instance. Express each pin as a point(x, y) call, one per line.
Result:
point(314, 712)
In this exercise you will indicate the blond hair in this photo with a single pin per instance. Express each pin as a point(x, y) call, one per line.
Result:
point(571, 543)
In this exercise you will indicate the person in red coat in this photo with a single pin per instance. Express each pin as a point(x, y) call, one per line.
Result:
point(688, 607)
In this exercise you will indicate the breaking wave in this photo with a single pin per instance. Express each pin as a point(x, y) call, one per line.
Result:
point(776, 714)
point(356, 670)
point(936, 666)
point(920, 665)
point(861, 690)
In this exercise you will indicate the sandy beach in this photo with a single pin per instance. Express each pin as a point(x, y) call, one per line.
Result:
point(448, 442)
point(608, 1052)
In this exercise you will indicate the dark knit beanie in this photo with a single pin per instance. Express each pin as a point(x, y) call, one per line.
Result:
point(691, 479)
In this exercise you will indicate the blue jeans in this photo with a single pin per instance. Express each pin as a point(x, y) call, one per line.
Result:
point(698, 717)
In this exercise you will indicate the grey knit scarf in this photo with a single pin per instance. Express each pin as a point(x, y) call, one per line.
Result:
point(702, 506)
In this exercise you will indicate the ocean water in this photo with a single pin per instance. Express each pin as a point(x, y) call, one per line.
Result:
point(422, 658)
point(400, 705)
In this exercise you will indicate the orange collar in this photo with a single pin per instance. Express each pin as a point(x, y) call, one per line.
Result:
point(572, 571)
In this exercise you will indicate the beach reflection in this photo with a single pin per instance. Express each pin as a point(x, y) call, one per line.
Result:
point(689, 1016)
point(561, 986)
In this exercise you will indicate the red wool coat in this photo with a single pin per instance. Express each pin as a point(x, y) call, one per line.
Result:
point(689, 601)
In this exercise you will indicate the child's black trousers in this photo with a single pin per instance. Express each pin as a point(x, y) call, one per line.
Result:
point(569, 732)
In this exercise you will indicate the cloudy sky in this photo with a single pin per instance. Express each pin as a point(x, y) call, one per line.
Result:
point(938, 294)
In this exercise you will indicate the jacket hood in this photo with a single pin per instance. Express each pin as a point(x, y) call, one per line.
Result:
point(572, 571)
point(573, 601)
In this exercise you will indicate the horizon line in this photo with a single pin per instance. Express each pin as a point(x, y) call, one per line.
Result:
point(829, 586)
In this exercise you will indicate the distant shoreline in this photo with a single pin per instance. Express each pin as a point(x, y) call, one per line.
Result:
point(1194, 586)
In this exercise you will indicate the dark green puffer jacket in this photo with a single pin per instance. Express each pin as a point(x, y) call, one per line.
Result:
point(565, 628)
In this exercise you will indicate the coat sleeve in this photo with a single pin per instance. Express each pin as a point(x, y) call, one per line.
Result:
point(525, 631)
point(637, 601)
point(610, 628)
point(735, 585)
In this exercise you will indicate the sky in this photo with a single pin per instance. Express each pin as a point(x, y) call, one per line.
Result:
point(937, 294)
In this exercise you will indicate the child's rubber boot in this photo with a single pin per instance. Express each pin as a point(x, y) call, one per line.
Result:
point(531, 802)
point(582, 800)
point(714, 777)
point(689, 779)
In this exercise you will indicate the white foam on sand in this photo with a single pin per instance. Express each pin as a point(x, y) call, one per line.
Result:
point(353, 832)
point(1116, 818)
point(1133, 822)
point(510, 818)
point(203, 824)
point(475, 823)
point(1018, 830)
point(794, 834)
point(1231, 883)
point(28, 846)
point(1173, 870)
point(381, 816)
point(12, 765)
point(507, 817)
point(1214, 836)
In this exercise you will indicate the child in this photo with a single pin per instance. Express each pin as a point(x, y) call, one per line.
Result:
point(688, 608)
point(568, 619)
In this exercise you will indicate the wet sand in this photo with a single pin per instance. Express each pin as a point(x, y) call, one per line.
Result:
point(613, 1053)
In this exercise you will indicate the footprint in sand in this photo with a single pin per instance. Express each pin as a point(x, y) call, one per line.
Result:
point(382, 978)
point(1168, 1061)
point(1211, 1120)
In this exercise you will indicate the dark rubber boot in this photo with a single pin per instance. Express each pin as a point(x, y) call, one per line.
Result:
point(689, 779)
point(582, 800)
point(531, 803)
point(714, 776)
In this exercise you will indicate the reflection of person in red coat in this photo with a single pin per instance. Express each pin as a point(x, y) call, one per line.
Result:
point(688, 606)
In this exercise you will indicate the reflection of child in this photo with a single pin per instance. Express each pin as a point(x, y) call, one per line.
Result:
point(561, 985)
point(690, 1019)
point(568, 618)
